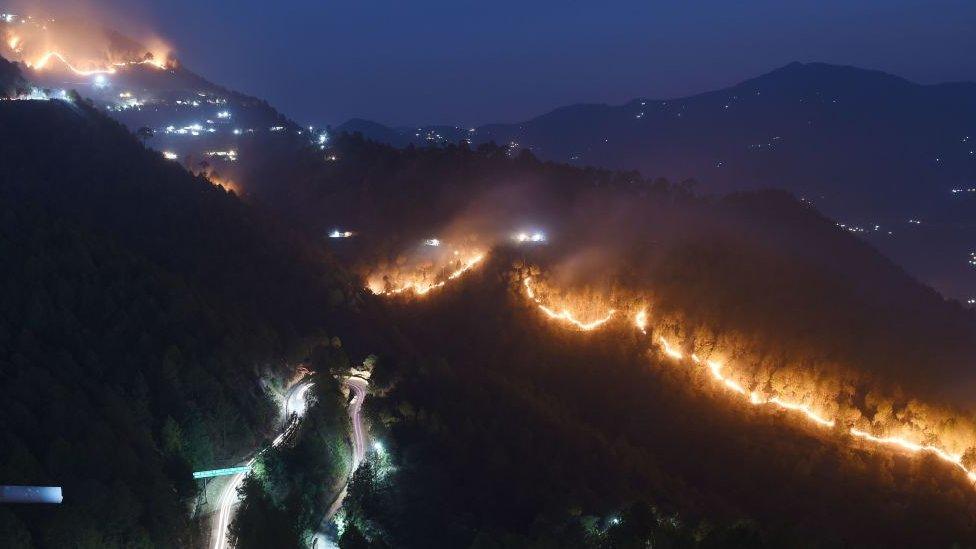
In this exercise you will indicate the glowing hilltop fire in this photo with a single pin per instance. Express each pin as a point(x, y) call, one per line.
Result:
point(82, 48)
point(42, 62)
point(565, 315)
point(422, 285)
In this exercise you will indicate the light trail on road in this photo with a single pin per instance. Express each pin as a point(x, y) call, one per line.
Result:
point(358, 386)
point(294, 406)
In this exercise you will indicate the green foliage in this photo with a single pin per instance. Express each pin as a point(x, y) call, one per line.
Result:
point(298, 480)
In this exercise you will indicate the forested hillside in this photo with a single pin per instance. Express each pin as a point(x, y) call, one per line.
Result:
point(145, 314)
point(760, 263)
point(505, 429)
point(513, 431)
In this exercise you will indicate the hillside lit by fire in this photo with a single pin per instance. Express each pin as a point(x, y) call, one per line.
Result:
point(805, 412)
point(82, 49)
point(428, 276)
point(721, 374)
point(564, 314)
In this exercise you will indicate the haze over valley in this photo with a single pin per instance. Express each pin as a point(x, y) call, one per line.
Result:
point(739, 318)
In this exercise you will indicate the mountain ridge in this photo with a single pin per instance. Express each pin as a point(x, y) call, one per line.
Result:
point(874, 151)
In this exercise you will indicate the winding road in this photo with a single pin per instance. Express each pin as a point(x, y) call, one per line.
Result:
point(358, 386)
point(293, 408)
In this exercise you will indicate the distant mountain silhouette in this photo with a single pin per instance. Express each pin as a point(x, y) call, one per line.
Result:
point(861, 144)
point(870, 149)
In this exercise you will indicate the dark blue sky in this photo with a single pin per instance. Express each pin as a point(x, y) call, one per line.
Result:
point(407, 62)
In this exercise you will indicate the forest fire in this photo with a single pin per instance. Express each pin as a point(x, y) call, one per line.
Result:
point(756, 399)
point(565, 315)
point(224, 183)
point(422, 284)
point(81, 48)
point(640, 320)
point(42, 62)
point(717, 371)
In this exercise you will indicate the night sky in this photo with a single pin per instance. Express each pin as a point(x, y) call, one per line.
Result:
point(456, 61)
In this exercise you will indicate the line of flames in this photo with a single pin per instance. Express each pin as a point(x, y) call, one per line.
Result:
point(42, 62)
point(715, 369)
point(565, 315)
point(423, 288)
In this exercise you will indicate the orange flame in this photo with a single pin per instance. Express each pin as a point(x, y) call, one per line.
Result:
point(423, 287)
point(754, 398)
point(565, 315)
point(42, 62)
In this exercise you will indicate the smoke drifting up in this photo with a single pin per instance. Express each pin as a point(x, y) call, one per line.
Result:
point(79, 39)
point(768, 298)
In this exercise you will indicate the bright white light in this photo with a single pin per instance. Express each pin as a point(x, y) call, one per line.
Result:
point(223, 114)
point(378, 448)
point(101, 81)
point(340, 234)
point(536, 237)
point(432, 242)
point(169, 155)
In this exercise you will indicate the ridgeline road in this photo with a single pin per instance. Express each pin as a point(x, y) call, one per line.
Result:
point(293, 407)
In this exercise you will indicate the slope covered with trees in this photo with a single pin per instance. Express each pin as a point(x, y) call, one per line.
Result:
point(504, 428)
point(146, 314)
